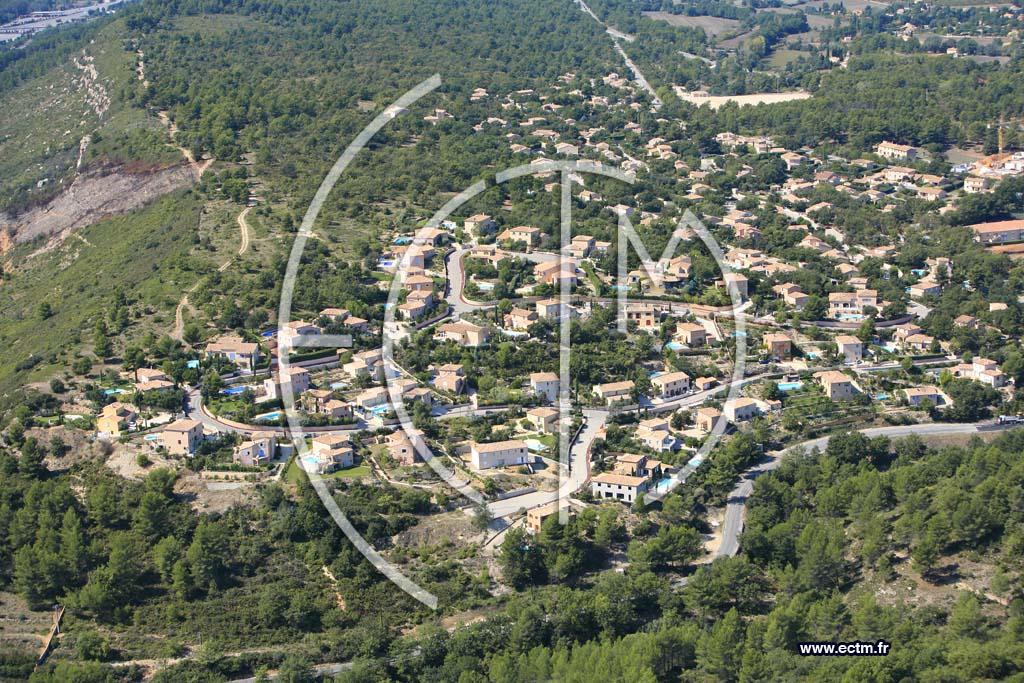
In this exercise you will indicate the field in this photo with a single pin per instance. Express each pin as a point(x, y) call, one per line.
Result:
point(712, 26)
point(780, 58)
point(717, 101)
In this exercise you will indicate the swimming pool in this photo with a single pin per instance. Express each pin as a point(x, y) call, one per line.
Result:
point(151, 437)
point(111, 392)
point(268, 333)
point(674, 346)
point(663, 484)
point(269, 416)
point(339, 385)
point(655, 374)
point(790, 386)
point(402, 240)
point(881, 397)
point(378, 410)
point(386, 263)
point(232, 391)
point(193, 364)
point(534, 445)
point(484, 286)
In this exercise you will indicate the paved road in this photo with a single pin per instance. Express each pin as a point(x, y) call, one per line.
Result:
point(579, 471)
point(736, 507)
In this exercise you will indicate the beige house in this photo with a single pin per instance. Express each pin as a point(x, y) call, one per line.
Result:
point(405, 450)
point(705, 418)
point(614, 392)
point(520, 318)
point(241, 353)
point(851, 303)
point(479, 225)
point(463, 333)
point(535, 516)
point(850, 347)
point(691, 334)
point(741, 410)
point(182, 437)
point(671, 384)
point(998, 232)
point(329, 452)
point(523, 233)
point(836, 385)
point(778, 345)
point(543, 419)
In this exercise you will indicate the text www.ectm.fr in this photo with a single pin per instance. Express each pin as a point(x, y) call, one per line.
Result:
point(854, 649)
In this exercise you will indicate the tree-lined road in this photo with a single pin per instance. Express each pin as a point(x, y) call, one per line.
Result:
point(736, 508)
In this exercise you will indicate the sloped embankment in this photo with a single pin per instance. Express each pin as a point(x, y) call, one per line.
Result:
point(91, 197)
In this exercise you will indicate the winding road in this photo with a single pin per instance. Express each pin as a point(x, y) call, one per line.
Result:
point(735, 510)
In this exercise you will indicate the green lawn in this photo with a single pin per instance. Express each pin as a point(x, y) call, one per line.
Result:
point(294, 474)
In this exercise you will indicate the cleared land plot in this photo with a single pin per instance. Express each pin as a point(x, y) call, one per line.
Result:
point(780, 58)
point(712, 26)
point(716, 101)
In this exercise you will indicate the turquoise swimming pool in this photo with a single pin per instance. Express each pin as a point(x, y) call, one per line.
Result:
point(790, 386)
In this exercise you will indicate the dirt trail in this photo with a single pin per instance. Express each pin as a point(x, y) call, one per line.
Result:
point(243, 246)
point(179, 315)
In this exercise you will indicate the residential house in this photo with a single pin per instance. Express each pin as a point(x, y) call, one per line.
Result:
point(842, 304)
point(258, 450)
point(655, 434)
point(836, 385)
point(791, 295)
point(614, 392)
point(975, 184)
point(553, 309)
point(116, 418)
point(621, 487)
point(241, 353)
point(479, 225)
point(691, 334)
point(499, 454)
point(545, 384)
point(740, 410)
point(983, 370)
point(850, 347)
point(463, 333)
point(917, 395)
point(705, 418)
point(778, 345)
point(671, 384)
point(520, 318)
point(291, 331)
point(182, 437)
point(918, 342)
point(896, 152)
point(330, 452)
point(535, 516)
point(998, 232)
point(543, 419)
point(924, 288)
point(406, 450)
point(528, 234)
